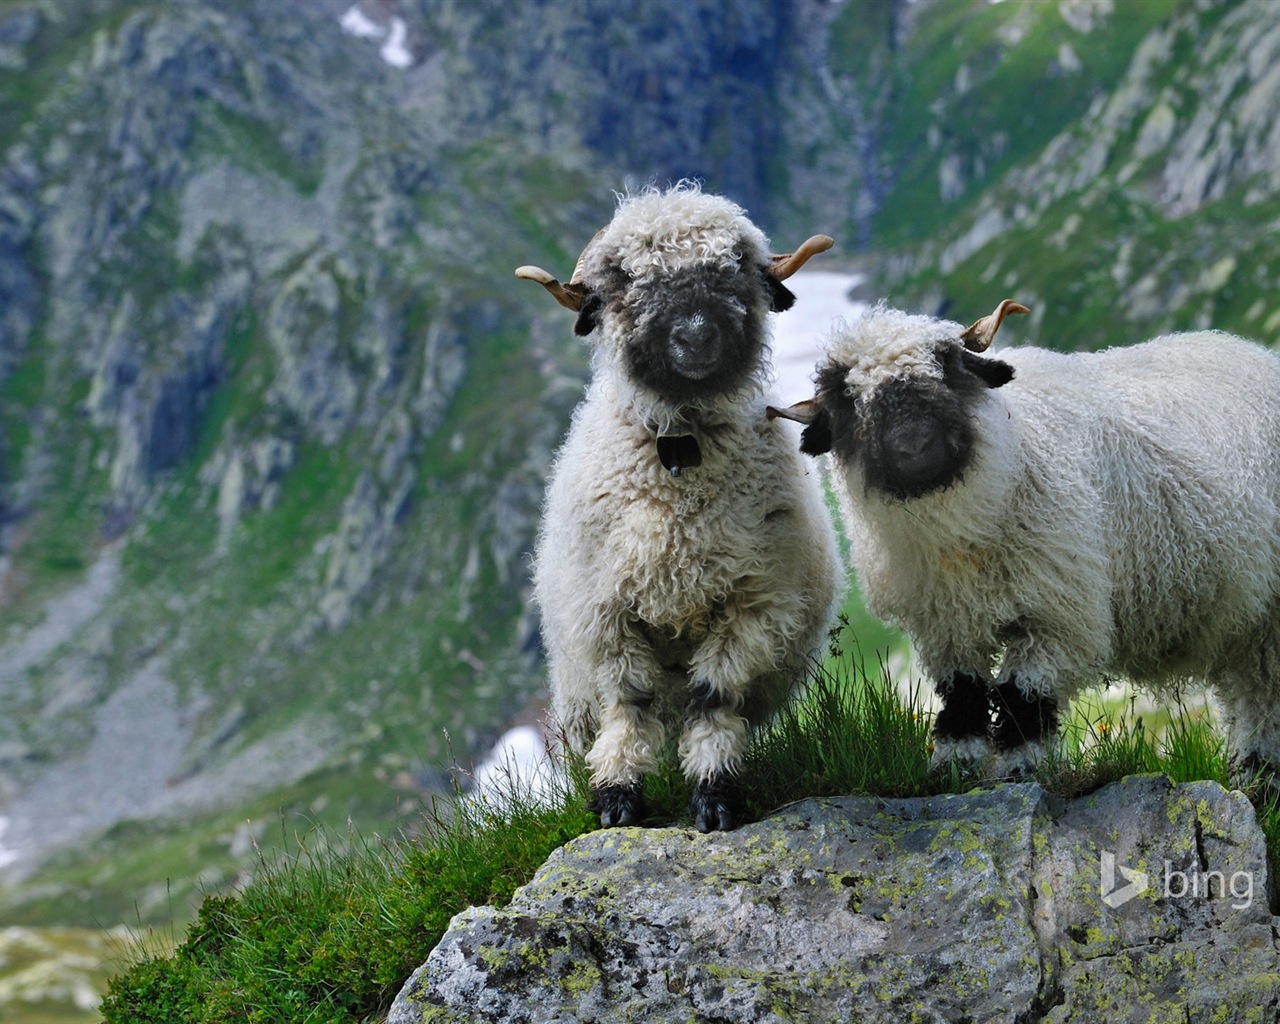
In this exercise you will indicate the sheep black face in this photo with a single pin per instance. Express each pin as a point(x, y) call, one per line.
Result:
point(912, 433)
point(675, 293)
point(695, 332)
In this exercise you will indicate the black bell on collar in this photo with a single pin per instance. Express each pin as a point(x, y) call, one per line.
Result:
point(678, 452)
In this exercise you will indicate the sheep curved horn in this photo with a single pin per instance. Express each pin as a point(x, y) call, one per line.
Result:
point(582, 257)
point(802, 412)
point(784, 265)
point(569, 295)
point(978, 336)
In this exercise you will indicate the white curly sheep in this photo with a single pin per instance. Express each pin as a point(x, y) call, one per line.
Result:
point(1039, 521)
point(686, 566)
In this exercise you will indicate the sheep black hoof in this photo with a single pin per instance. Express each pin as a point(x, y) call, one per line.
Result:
point(716, 805)
point(618, 806)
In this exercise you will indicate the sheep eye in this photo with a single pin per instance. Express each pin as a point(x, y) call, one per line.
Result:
point(830, 382)
point(615, 278)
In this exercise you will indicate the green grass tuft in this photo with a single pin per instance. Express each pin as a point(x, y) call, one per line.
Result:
point(851, 731)
point(332, 932)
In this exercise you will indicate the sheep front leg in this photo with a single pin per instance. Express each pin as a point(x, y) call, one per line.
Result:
point(711, 748)
point(1025, 723)
point(741, 650)
point(1025, 705)
point(620, 758)
point(1048, 658)
point(629, 739)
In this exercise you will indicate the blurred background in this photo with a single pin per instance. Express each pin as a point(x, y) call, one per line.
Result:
point(275, 415)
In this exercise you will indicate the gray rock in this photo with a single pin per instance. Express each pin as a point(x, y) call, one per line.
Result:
point(988, 906)
point(20, 26)
point(362, 543)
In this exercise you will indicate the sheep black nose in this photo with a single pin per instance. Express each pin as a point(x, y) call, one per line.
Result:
point(695, 346)
point(694, 335)
point(916, 449)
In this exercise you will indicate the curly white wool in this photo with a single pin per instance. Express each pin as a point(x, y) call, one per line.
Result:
point(656, 231)
point(884, 344)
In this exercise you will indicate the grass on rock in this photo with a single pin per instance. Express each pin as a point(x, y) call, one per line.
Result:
point(331, 933)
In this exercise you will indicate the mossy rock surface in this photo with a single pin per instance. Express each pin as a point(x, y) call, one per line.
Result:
point(986, 906)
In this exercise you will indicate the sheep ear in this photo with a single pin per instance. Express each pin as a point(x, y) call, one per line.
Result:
point(992, 372)
point(780, 296)
point(815, 439)
point(588, 315)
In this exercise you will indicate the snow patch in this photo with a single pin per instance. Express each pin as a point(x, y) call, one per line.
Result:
point(822, 298)
point(356, 23)
point(519, 766)
point(394, 51)
point(7, 856)
point(393, 36)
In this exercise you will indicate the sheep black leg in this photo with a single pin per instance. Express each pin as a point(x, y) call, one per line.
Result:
point(623, 752)
point(619, 806)
point(716, 804)
point(960, 728)
point(1022, 724)
point(965, 712)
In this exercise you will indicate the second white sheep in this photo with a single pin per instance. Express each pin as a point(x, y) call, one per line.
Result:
point(1038, 522)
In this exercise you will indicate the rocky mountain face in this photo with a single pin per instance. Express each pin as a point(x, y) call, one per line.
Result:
point(1142, 902)
point(275, 417)
point(238, 339)
point(660, 91)
point(1153, 210)
point(274, 414)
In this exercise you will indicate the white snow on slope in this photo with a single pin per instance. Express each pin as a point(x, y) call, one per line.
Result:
point(392, 36)
point(822, 297)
